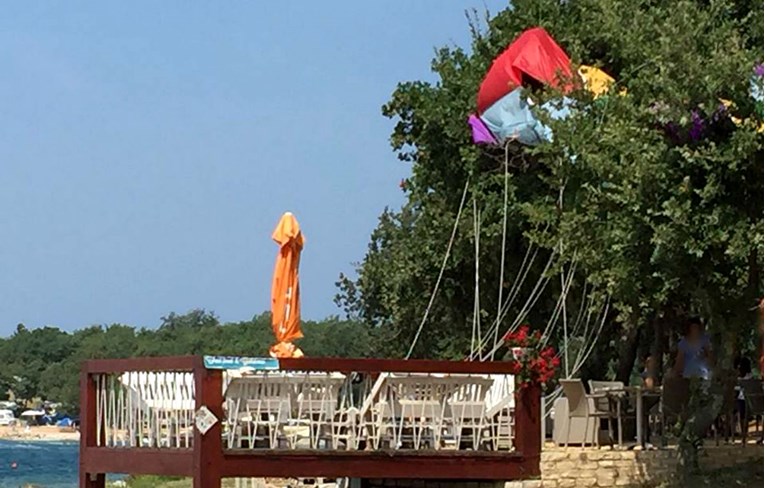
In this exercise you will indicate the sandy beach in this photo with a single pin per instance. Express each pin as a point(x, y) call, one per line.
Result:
point(38, 433)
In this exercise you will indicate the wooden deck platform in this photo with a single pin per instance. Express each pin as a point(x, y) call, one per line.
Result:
point(116, 416)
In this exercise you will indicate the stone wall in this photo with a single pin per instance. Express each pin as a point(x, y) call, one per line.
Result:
point(563, 468)
point(591, 468)
point(596, 468)
point(404, 483)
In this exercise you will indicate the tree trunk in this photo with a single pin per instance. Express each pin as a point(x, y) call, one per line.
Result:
point(628, 353)
point(658, 348)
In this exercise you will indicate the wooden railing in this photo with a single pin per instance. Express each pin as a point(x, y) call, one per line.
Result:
point(309, 417)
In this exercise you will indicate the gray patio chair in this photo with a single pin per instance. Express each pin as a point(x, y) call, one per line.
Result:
point(612, 402)
point(582, 405)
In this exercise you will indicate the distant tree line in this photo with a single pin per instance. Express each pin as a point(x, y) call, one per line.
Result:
point(44, 363)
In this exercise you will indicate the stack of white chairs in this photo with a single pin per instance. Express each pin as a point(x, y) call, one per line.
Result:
point(316, 406)
point(419, 411)
point(258, 406)
point(408, 411)
point(283, 409)
point(468, 411)
point(277, 409)
point(158, 408)
point(500, 410)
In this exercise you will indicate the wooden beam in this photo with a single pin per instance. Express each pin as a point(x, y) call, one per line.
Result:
point(394, 366)
point(366, 464)
point(164, 363)
point(187, 363)
point(528, 425)
point(92, 474)
point(208, 447)
point(163, 462)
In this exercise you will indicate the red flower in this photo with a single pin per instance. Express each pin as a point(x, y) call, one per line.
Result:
point(537, 365)
point(522, 334)
point(515, 367)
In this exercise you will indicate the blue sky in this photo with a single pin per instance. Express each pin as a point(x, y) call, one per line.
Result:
point(141, 144)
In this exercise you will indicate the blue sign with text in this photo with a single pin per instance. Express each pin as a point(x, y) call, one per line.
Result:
point(236, 362)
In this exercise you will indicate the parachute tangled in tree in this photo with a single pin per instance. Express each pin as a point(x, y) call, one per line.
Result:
point(533, 60)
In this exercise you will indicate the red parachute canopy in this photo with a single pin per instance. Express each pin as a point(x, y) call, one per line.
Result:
point(534, 54)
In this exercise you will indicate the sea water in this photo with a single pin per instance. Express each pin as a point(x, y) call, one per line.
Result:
point(44, 464)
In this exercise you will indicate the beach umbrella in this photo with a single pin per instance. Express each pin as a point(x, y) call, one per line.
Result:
point(285, 288)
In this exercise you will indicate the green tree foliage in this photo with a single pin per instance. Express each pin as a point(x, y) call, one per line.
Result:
point(45, 363)
point(667, 225)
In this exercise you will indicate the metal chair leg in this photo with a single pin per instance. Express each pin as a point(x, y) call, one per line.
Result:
point(568, 432)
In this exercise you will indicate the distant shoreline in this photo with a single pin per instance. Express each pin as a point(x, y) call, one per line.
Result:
point(46, 433)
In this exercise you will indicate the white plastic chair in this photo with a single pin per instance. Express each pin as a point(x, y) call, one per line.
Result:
point(158, 409)
point(316, 405)
point(259, 407)
point(500, 410)
point(467, 410)
point(406, 409)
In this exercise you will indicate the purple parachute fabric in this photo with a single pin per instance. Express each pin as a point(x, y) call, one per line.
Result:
point(697, 126)
point(481, 133)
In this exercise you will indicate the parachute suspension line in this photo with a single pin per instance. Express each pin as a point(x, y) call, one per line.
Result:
point(514, 290)
point(594, 340)
point(477, 294)
point(590, 341)
point(520, 278)
point(582, 308)
point(440, 273)
point(565, 321)
point(504, 240)
point(582, 355)
point(586, 332)
point(521, 315)
point(562, 281)
point(536, 292)
point(566, 281)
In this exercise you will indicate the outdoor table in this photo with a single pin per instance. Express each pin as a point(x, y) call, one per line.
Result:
point(639, 393)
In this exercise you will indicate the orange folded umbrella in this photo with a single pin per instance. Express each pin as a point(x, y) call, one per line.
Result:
point(285, 289)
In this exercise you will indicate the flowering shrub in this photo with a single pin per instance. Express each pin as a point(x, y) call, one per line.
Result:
point(531, 363)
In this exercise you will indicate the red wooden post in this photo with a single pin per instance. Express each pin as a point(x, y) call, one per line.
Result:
point(88, 419)
point(528, 425)
point(208, 448)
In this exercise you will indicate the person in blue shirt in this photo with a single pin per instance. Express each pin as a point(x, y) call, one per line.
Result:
point(694, 352)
